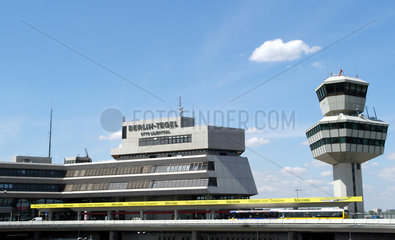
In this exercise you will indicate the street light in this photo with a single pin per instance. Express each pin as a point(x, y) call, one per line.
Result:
point(297, 192)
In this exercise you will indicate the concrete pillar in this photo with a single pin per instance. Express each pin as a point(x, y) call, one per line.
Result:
point(78, 215)
point(108, 215)
point(347, 182)
point(212, 214)
point(293, 236)
point(50, 215)
point(113, 235)
point(194, 235)
point(36, 235)
point(142, 214)
point(175, 214)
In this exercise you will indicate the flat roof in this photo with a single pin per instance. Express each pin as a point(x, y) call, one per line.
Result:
point(205, 204)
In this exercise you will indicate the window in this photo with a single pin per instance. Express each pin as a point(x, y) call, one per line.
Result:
point(165, 140)
point(31, 187)
point(212, 182)
point(32, 172)
point(349, 140)
point(124, 132)
point(210, 166)
point(346, 88)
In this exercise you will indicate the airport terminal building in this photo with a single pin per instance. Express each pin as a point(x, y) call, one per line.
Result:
point(161, 159)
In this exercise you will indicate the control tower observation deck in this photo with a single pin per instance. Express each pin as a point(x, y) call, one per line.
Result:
point(345, 138)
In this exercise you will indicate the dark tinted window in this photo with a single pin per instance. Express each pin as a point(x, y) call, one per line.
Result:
point(333, 89)
point(124, 132)
point(32, 172)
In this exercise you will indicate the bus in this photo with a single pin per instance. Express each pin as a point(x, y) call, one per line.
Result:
point(324, 213)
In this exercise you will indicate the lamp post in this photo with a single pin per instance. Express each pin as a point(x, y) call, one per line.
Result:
point(297, 192)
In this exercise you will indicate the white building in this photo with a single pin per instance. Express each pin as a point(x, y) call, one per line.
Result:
point(159, 160)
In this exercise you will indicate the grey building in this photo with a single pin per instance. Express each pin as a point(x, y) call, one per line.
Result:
point(345, 138)
point(162, 159)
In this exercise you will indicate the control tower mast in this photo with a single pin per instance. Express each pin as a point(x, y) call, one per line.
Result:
point(345, 138)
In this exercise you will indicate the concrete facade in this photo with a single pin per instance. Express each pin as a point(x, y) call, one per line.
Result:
point(201, 137)
point(163, 159)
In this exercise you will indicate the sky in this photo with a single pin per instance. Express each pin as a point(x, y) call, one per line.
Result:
point(247, 64)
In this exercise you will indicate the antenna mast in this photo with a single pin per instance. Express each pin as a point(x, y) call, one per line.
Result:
point(375, 115)
point(50, 134)
point(367, 111)
point(181, 109)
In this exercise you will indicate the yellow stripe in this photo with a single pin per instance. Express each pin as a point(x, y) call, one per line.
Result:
point(197, 202)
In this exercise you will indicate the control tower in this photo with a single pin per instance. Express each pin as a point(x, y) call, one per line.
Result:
point(345, 138)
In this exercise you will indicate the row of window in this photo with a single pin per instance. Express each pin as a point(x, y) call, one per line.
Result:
point(142, 184)
point(348, 125)
point(31, 187)
point(177, 153)
point(109, 171)
point(350, 140)
point(32, 172)
point(343, 88)
point(6, 202)
point(165, 140)
point(183, 167)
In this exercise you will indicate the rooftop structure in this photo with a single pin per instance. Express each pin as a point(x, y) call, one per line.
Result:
point(176, 136)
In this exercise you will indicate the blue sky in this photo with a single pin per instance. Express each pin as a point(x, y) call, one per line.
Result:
point(201, 51)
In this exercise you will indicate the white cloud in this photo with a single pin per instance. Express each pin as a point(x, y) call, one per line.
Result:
point(253, 130)
point(266, 189)
point(326, 173)
point(309, 182)
point(388, 173)
point(278, 51)
point(370, 164)
point(316, 163)
point(113, 136)
point(271, 184)
point(318, 64)
point(256, 141)
point(294, 170)
point(391, 156)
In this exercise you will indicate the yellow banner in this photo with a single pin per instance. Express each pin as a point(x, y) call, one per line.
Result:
point(198, 202)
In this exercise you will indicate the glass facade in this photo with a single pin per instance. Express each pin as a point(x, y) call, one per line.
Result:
point(348, 125)
point(142, 184)
point(350, 140)
point(32, 173)
point(343, 88)
point(124, 132)
point(176, 153)
point(31, 187)
point(125, 170)
point(165, 140)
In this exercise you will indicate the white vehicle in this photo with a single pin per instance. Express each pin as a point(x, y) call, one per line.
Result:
point(36, 219)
